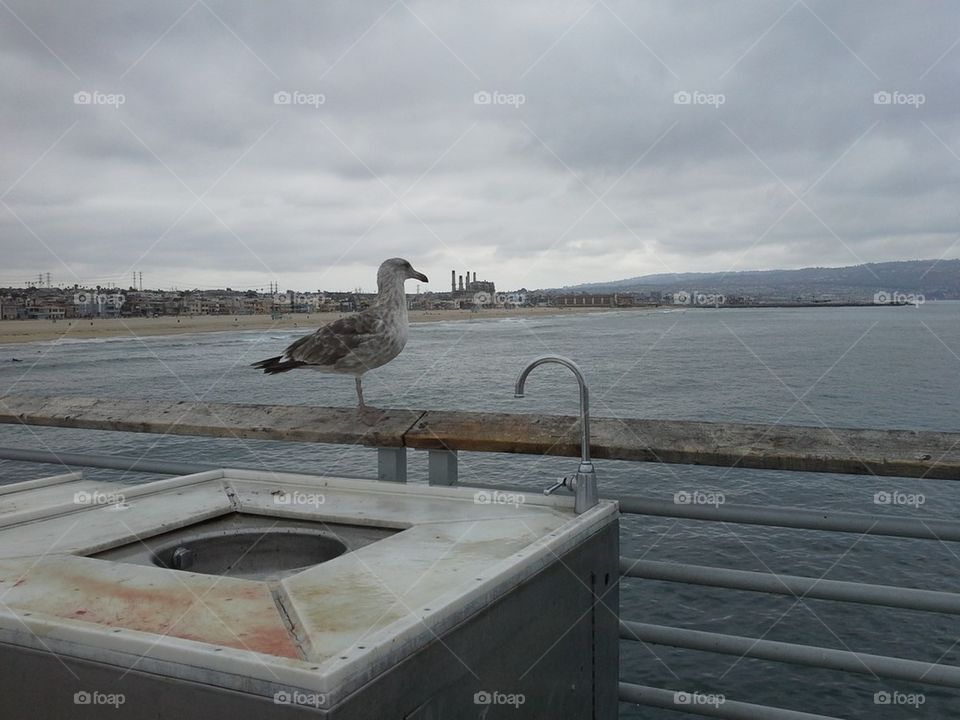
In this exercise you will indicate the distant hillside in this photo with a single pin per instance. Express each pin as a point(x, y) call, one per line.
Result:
point(934, 279)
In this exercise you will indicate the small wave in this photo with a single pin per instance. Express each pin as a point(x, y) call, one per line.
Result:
point(171, 339)
point(86, 341)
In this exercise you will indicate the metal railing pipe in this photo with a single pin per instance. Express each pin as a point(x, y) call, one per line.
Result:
point(110, 462)
point(827, 658)
point(40, 482)
point(793, 585)
point(133, 464)
point(795, 518)
point(730, 709)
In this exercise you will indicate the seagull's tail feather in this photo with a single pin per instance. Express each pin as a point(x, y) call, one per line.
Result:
point(274, 365)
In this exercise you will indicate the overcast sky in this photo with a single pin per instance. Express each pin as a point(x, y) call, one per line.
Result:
point(537, 144)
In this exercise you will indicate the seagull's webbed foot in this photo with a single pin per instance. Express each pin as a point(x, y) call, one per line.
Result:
point(370, 415)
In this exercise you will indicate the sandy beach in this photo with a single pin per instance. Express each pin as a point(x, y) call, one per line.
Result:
point(23, 331)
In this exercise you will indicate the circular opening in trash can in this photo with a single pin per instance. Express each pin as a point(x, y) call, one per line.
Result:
point(248, 552)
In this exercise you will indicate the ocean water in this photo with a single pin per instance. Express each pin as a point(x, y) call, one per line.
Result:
point(879, 367)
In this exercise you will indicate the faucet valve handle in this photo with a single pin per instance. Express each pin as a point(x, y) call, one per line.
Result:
point(562, 482)
point(569, 482)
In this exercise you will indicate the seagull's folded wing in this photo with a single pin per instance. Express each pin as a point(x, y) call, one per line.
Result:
point(339, 344)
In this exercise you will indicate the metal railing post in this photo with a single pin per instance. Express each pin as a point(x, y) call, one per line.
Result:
point(392, 464)
point(442, 467)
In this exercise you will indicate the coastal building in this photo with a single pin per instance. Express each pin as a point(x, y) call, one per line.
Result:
point(537, 299)
point(468, 292)
point(11, 307)
point(593, 300)
point(46, 312)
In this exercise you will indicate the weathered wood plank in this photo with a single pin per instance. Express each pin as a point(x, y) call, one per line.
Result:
point(293, 423)
point(904, 453)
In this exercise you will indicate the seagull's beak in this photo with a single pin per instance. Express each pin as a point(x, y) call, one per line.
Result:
point(418, 276)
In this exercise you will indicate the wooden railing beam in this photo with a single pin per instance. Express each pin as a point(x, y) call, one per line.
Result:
point(906, 453)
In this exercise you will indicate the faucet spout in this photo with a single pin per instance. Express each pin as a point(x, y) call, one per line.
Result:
point(586, 480)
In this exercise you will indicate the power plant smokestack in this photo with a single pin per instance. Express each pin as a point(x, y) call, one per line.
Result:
point(461, 283)
point(474, 277)
point(453, 281)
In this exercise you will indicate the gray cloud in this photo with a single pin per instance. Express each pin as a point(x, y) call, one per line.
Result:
point(597, 174)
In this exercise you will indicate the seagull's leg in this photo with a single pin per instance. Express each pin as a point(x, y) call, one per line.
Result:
point(369, 415)
point(359, 392)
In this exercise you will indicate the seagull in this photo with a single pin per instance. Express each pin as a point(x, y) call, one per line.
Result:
point(357, 343)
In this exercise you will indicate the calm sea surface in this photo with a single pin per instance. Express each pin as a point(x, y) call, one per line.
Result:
point(882, 367)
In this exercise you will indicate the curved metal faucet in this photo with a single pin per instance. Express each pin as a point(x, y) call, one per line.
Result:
point(584, 482)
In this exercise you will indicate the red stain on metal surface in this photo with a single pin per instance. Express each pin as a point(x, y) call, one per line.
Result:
point(271, 641)
point(196, 611)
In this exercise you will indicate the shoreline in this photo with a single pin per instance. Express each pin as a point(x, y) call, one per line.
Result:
point(31, 331)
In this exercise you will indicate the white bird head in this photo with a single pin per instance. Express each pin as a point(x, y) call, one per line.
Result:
point(398, 268)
